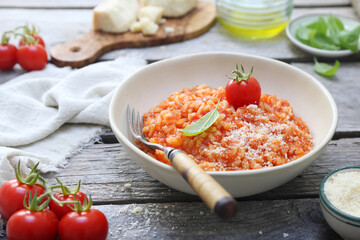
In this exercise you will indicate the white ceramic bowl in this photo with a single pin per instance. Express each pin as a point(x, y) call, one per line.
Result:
point(347, 226)
point(292, 27)
point(149, 86)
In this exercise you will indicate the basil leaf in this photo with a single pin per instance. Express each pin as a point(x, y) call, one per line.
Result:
point(335, 27)
point(321, 41)
point(320, 25)
point(302, 34)
point(330, 34)
point(326, 69)
point(202, 124)
point(350, 39)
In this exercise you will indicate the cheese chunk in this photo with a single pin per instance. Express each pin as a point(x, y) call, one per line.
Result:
point(172, 8)
point(115, 16)
point(154, 13)
point(148, 26)
point(145, 25)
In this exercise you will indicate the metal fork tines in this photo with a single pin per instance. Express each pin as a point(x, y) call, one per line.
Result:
point(135, 122)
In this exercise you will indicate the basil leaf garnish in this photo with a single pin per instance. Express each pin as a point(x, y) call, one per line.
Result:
point(202, 124)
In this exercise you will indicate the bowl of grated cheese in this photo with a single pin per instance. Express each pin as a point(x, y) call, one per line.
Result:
point(340, 201)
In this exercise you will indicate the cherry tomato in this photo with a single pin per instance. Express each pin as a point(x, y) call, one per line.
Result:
point(32, 57)
point(242, 90)
point(31, 225)
point(12, 194)
point(90, 225)
point(7, 56)
point(61, 211)
point(37, 39)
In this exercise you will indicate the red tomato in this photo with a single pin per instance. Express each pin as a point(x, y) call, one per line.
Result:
point(30, 225)
point(7, 56)
point(37, 39)
point(242, 90)
point(89, 225)
point(12, 194)
point(61, 211)
point(32, 57)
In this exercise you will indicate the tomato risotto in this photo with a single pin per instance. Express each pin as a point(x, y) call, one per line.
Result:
point(250, 137)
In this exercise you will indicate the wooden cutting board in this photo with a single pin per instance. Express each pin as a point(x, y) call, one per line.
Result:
point(92, 45)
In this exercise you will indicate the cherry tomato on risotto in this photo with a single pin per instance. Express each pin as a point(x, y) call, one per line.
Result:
point(242, 90)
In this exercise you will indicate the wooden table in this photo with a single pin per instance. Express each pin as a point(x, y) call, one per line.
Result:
point(151, 210)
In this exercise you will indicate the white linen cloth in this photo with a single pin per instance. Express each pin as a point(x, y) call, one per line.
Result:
point(47, 116)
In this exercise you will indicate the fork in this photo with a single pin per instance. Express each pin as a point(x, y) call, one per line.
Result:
point(208, 189)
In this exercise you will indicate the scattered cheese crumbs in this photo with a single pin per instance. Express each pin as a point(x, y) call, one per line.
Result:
point(285, 235)
point(169, 29)
point(137, 210)
point(127, 185)
point(343, 191)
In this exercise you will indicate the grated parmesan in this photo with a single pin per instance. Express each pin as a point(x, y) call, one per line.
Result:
point(343, 191)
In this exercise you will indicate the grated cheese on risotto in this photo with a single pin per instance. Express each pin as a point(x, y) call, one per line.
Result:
point(250, 137)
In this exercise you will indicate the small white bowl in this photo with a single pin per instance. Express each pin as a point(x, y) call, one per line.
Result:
point(155, 82)
point(305, 20)
point(347, 226)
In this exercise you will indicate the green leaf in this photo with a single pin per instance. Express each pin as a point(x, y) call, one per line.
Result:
point(319, 26)
point(350, 39)
point(326, 69)
point(329, 34)
point(202, 124)
point(302, 34)
point(335, 27)
point(321, 41)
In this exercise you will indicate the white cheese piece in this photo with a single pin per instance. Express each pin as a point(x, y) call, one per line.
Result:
point(154, 13)
point(172, 8)
point(145, 25)
point(115, 16)
point(343, 191)
point(136, 27)
point(148, 26)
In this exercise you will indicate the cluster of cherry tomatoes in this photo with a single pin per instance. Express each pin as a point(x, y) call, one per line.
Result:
point(30, 54)
point(34, 210)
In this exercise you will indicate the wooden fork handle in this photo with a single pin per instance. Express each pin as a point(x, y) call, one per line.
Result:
point(209, 190)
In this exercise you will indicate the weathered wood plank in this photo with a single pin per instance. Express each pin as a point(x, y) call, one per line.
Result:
point(289, 219)
point(93, 3)
point(272, 219)
point(106, 168)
